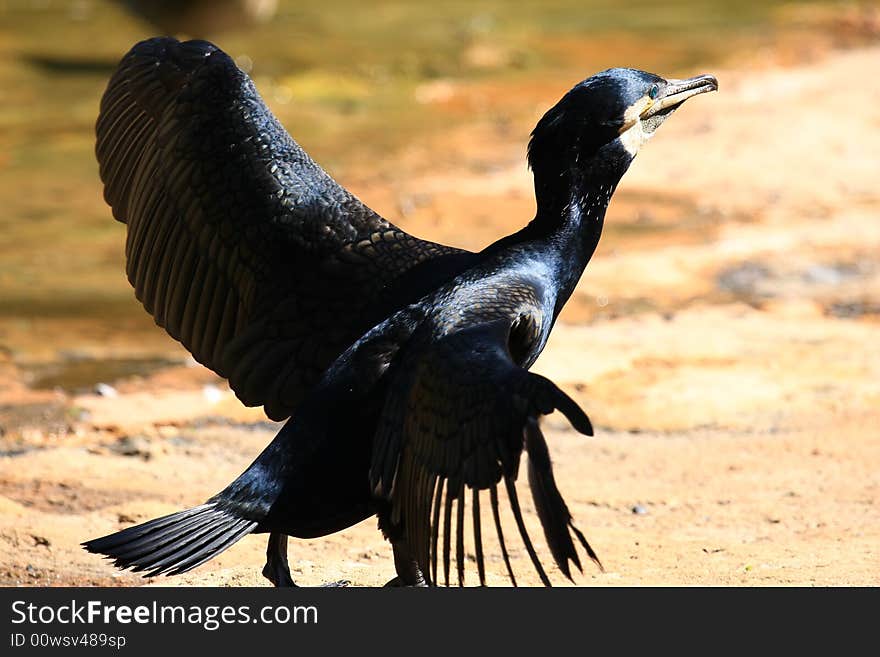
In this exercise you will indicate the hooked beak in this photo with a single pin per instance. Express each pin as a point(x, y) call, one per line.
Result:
point(678, 91)
point(673, 95)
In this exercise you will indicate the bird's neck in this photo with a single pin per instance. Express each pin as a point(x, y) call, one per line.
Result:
point(567, 226)
point(568, 222)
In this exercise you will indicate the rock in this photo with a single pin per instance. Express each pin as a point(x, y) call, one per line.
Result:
point(105, 390)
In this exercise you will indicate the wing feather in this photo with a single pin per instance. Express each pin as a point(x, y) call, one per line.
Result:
point(461, 412)
point(496, 516)
point(478, 537)
point(242, 247)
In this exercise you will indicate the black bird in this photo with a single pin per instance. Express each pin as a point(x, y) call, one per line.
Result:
point(401, 363)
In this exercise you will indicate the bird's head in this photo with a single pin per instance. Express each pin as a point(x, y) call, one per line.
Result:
point(599, 126)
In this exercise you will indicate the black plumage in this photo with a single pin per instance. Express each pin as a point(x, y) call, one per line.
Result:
point(403, 364)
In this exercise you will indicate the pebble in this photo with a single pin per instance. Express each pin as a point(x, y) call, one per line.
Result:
point(212, 394)
point(105, 390)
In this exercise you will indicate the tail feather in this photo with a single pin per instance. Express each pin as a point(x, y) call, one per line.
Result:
point(175, 543)
point(136, 531)
point(185, 541)
point(154, 540)
point(552, 510)
point(205, 552)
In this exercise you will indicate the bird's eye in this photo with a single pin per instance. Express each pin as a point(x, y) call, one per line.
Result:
point(654, 92)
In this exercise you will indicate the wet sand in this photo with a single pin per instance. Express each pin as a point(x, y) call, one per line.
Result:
point(725, 340)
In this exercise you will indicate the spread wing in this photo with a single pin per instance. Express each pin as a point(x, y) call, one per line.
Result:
point(458, 416)
point(238, 244)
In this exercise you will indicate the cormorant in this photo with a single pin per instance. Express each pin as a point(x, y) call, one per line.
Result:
point(402, 364)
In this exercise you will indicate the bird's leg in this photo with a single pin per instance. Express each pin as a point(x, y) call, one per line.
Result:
point(408, 571)
point(276, 569)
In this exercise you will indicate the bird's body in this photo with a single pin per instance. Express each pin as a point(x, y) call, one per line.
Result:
point(402, 363)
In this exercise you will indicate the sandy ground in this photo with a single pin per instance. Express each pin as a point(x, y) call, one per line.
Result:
point(725, 340)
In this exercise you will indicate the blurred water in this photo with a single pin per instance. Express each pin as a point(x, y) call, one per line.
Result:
point(344, 75)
